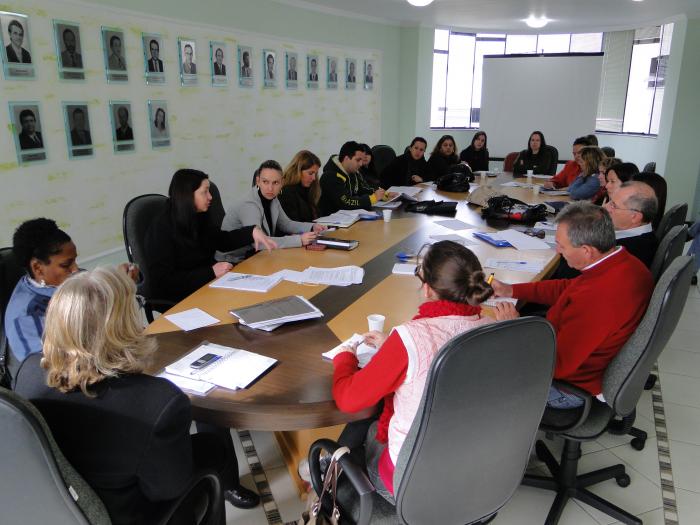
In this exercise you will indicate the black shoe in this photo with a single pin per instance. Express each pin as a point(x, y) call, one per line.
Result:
point(242, 498)
point(694, 280)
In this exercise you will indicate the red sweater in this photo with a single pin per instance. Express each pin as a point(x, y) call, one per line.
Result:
point(567, 175)
point(593, 315)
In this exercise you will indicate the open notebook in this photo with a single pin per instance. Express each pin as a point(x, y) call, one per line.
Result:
point(234, 368)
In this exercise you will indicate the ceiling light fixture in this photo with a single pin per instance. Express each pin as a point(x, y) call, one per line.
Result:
point(420, 3)
point(536, 22)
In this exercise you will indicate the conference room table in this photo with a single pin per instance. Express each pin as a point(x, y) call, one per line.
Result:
point(295, 395)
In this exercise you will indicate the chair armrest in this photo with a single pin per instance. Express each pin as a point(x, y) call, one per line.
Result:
point(587, 403)
point(355, 474)
point(215, 513)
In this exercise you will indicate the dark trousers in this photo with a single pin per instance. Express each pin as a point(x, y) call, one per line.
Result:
point(212, 447)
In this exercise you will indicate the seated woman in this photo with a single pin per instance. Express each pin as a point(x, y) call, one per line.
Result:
point(618, 174)
point(602, 196)
point(476, 154)
point(408, 168)
point(125, 432)
point(300, 187)
point(367, 169)
point(261, 209)
point(658, 184)
point(586, 185)
point(443, 156)
point(536, 157)
point(180, 243)
point(454, 285)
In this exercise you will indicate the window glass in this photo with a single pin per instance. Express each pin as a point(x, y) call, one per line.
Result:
point(586, 43)
point(441, 39)
point(520, 44)
point(484, 46)
point(437, 103)
point(460, 68)
point(553, 43)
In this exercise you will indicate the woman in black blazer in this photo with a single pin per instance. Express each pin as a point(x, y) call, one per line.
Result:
point(125, 432)
point(181, 242)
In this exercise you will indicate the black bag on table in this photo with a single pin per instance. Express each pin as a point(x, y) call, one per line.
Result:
point(433, 207)
point(456, 179)
point(506, 208)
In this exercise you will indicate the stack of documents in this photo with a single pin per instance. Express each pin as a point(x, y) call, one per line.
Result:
point(246, 282)
point(400, 192)
point(554, 192)
point(234, 368)
point(342, 218)
point(271, 314)
point(340, 276)
point(364, 351)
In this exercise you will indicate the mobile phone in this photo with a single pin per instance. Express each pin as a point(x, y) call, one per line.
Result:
point(205, 360)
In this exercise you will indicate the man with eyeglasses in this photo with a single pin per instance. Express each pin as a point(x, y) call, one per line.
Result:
point(632, 209)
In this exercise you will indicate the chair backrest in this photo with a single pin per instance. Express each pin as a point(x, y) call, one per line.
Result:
point(650, 167)
point(469, 444)
point(39, 485)
point(609, 151)
point(10, 273)
point(670, 247)
point(382, 156)
point(509, 161)
point(139, 212)
point(216, 209)
point(673, 217)
point(625, 376)
point(554, 152)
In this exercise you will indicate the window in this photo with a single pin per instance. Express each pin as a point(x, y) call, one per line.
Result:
point(632, 80)
point(458, 61)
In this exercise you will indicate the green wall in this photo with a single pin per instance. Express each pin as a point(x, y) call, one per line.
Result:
point(280, 20)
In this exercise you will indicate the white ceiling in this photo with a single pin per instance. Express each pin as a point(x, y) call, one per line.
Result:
point(569, 16)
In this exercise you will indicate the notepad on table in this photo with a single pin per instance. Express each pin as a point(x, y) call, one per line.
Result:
point(186, 384)
point(271, 314)
point(191, 319)
point(521, 241)
point(520, 266)
point(404, 269)
point(364, 352)
point(492, 301)
point(246, 282)
point(235, 368)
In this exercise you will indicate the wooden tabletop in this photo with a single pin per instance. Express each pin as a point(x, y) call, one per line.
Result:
point(296, 393)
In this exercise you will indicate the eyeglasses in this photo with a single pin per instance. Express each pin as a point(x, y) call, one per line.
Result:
point(418, 272)
point(614, 206)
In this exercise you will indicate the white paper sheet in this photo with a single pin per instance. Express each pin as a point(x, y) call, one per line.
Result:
point(494, 300)
point(404, 269)
point(246, 282)
point(454, 224)
point(340, 276)
point(546, 225)
point(188, 385)
point(453, 237)
point(364, 351)
point(192, 319)
point(523, 242)
point(510, 264)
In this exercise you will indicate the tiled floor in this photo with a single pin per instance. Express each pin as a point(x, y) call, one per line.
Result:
point(679, 368)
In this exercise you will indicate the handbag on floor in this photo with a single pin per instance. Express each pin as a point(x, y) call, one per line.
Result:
point(314, 514)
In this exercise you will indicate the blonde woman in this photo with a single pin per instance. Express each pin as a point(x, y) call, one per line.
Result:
point(586, 185)
point(125, 432)
point(301, 189)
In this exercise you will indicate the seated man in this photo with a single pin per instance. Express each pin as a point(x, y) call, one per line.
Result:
point(571, 169)
point(594, 314)
point(342, 186)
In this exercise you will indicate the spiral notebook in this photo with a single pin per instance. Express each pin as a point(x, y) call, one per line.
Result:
point(234, 369)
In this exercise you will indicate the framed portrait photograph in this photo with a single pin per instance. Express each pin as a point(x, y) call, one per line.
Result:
point(332, 72)
point(269, 68)
point(153, 65)
point(78, 136)
point(245, 66)
point(187, 52)
point(69, 50)
point(26, 125)
point(312, 71)
point(16, 48)
point(369, 72)
point(350, 73)
point(291, 60)
point(122, 126)
point(158, 123)
point(218, 57)
point(114, 55)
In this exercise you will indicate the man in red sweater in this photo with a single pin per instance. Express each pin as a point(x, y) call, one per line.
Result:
point(571, 169)
point(595, 313)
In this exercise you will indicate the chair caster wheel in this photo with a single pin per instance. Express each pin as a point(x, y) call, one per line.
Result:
point(638, 444)
point(650, 382)
point(623, 481)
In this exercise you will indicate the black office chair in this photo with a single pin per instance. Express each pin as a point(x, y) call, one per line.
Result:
point(554, 153)
point(41, 486)
point(137, 217)
point(10, 273)
point(673, 217)
point(650, 167)
point(670, 247)
point(622, 386)
point(216, 209)
point(382, 156)
point(468, 447)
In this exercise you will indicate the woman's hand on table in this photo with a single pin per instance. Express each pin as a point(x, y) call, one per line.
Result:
point(317, 228)
point(221, 268)
point(351, 349)
point(308, 238)
point(502, 289)
point(375, 338)
point(505, 311)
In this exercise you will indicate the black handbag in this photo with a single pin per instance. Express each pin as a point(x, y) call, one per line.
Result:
point(506, 208)
point(456, 179)
point(433, 207)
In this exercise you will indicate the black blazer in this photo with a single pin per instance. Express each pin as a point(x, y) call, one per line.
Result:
point(27, 143)
point(131, 442)
point(12, 56)
point(643, 247)
point(219, 70)
point(152, 68)
point(178, 265)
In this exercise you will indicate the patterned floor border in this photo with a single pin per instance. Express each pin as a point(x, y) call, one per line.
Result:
point(668, 491)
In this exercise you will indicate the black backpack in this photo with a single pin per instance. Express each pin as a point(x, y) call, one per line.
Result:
point(456, 180)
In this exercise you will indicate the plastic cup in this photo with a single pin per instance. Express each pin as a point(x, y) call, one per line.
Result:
point(387, 215)
point(376, 322)
point(482, 177)
point(529, 177)
point(536, 190)
point(530, 173)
